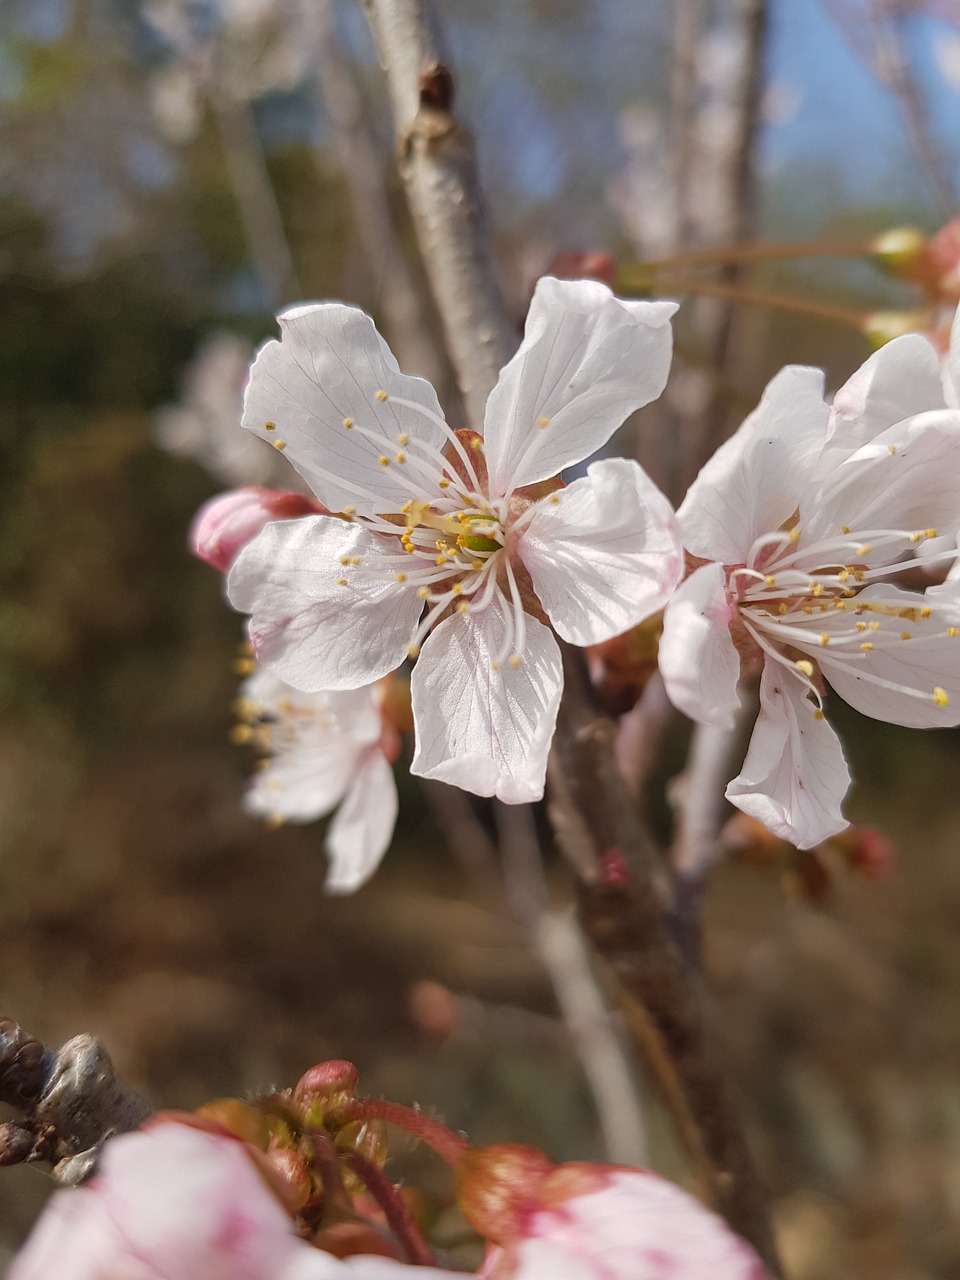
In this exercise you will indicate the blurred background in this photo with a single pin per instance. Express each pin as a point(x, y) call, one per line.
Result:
point(172, 172)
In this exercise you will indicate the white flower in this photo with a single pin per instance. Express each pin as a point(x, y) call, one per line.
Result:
point(326, 751)
point(803, 518)
point(464, 528)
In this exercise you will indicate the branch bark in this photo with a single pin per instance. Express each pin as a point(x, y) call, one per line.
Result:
point(435, 159)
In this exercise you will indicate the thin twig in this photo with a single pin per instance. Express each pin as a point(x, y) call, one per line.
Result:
point(435, 158)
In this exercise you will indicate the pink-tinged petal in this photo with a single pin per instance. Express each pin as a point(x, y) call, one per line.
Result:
point(224, 525)
point(587, 361)
point(699, 663)
point(636, 1226)
point(916, 654)
point(325, 371)
point(898, 381)
point(906, 478)
point(314, 633)
point(312, 1264)
point(362, 827)
point(794, 777)
point(486, 731)
point(169, 1203)
point(752, 484)
point(303, 781)
point(604, 553)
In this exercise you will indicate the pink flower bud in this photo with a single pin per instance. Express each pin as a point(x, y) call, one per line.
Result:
point(603, 1222)
point(224, 525)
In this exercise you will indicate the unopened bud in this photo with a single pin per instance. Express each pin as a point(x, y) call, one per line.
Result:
point(291, 1177)
point(224, 525)
point(326, 1078)
point(881, 327)
point(900, 251)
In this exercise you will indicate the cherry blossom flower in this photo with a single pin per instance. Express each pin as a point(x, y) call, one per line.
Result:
point(799, 526)
point(178, 1202)
point(324, 751)
point(583, 1221)
point(474, 535)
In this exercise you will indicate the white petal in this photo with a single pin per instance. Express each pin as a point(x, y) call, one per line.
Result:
point(328, 368)
point(310, 631)
point(587, 361)
point(486, 731)
point(362, 827)
point(907, 478)
point(304, 781)
point(605, 554)
point(928, 660)
point(352, 713)
point(898, 381)
point(752, 484)
point(699, 663)
point(795, 777)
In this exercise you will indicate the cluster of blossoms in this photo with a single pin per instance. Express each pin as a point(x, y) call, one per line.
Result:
point(292, 1187)
point(786, 560)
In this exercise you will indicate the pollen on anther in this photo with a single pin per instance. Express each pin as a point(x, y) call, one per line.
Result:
point(476, 444)
point(867, 646)
point(892, 448)
point(941, 697)
point(476, 564)
point(401, 457)
point(930, 533)
point(514, 659)
point(905, 635)
point(864, 548)
point(457, 588)
point(543, 422)
point(782, 607)
point(926, 611)
point(953, 631)
point(344, 559)
point(844, 528)
point(494, 666)
point(423, 592)
point(804, 665)
point(382, 396)
point(348, 423)
point(269, 426)
point(348, 513)
point(463, 606)
point(861, 626)
point(443, 484)
point(341, 582)
point(403, 440)
point(401, 577)
point(794, 535)
point(824, 639)
point(770, 580)
point(384, 460)
point(413, 651)
point(279, 445)
point(241, 734)
point(818, 714)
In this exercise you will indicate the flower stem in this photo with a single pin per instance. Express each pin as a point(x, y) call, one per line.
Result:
point(637, 272)
point(447, 1144)
point(800, 306)
point(399, 1218)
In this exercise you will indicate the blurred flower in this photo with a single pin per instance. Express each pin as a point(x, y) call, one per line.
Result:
point(324, 751)
point(796, 526)
point(204, 425)
point(224, 525)
point(473, 529)
point(593, 1222)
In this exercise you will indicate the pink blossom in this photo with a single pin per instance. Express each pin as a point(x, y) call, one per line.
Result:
point(176, 1202)
point(603, 1222)
point(224, 525)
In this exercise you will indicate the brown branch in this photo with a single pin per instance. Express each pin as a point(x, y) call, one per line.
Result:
point(435, 158)
point(71, 1101)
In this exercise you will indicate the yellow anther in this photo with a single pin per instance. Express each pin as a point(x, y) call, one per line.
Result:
point(443, 484)
point(413, 651)
point(401, 457)
point(867, 646)
point(355, 560)
point(874, 626)
point(384, 460)
point(279, 445)
point(555, 499)
point(816, 588)
point(818, 714)
point(804, 665)
point(861, 626)
point(782, 607)
point(926, 611)
point(494, 666)
point(769, 579)
point(240, 734)
point(476, 444)
point(892, 448)
point(406, 507)
point(824, 639)
point(941, 697)
point(244, 666)
point(423, 592)
point(794, 535)
point(476, 564)
point(840, 604)
point(348, 513)
point(341, 582)
point(463, 606)
point(844, 528)
point(916, 537)
point(442, 560)
point(401, 577)
point(382, 396)
point(441, 545)
point(864, 548)
point(348, 423)
point(514, 659)
point(403, 440)
point(344, 559)
point(808, 611)
point(843, 575)
point(543, 422)
point(905, 635)
point(953, 631)
point(269, 426)
point(457, 588)
point(930, 533)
